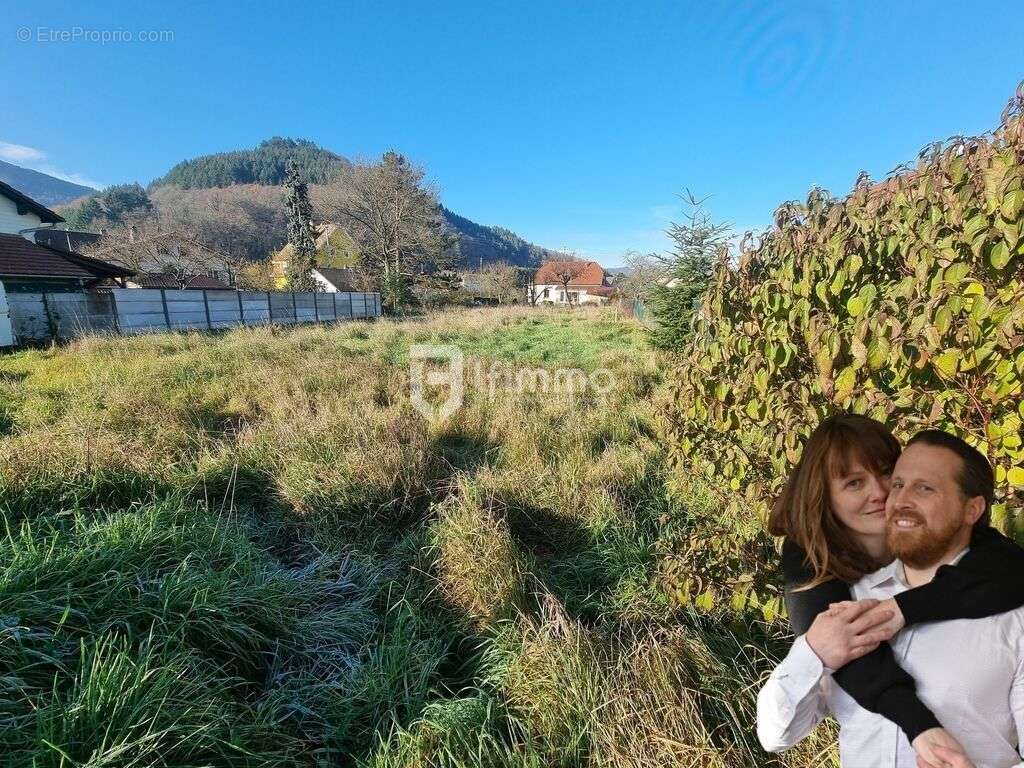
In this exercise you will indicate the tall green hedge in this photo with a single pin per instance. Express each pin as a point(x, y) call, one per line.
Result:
point(903, 301)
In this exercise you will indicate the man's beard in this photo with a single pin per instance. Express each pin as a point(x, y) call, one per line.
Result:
point(923, 546)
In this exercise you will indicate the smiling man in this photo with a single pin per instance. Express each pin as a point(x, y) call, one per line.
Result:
point(970, 673)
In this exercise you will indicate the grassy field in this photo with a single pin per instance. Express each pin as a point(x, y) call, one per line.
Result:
point(250, 549)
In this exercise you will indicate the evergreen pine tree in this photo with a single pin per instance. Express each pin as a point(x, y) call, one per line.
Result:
point(699, 245)
point(300, 212)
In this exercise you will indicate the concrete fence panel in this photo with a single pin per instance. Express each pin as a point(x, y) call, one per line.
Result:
point(40, 317)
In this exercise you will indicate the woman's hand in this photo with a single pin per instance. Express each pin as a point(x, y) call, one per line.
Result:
point(848, 632)
point(892, 626)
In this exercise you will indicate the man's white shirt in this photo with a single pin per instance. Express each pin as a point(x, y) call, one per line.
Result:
point(969, 672)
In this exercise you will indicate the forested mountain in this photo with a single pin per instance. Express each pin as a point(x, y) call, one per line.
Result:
point(41, 187)
point(263, 165)
point(479, 243)
point(233, 202)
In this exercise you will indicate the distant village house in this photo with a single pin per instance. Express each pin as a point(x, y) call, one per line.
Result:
point(571, 282)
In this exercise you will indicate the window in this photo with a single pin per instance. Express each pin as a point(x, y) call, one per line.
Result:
point(546, 294)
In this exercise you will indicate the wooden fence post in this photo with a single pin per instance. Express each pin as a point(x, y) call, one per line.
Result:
point(270, 311)
point(295, 310)
point(351, 311)
point(241, 309)
point(316, 308)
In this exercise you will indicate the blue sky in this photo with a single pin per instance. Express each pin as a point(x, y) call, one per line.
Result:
point(576, 125)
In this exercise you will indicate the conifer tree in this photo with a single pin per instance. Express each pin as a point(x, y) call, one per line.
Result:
point(300, 212)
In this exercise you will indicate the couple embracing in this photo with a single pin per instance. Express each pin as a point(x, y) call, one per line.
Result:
point(906, 603)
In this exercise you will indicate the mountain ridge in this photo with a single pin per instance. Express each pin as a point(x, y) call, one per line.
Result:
point(42, 187)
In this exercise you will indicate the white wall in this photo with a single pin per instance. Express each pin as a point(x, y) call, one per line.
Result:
point(11, 222)
point(556, 295)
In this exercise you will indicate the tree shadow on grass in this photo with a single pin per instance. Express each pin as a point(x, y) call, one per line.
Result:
point(463, 452)
point(95, 490)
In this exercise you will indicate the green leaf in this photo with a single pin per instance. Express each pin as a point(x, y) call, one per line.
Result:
point(999, 256)
point(838, 281)
point(705, 601)
point(954, 273)
point(947, 362)
point(878, 353)
point(1016, 477)
point(845, 382)
point(855, 306)
point(1012, 204)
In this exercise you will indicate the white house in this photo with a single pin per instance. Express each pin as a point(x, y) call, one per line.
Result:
point(19, 213)
point(585, 280)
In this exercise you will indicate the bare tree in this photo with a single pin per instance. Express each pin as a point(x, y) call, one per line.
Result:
point(645, 270)
point(497, 280)
point(397, 225)
point(142, 245)
point(565, 272)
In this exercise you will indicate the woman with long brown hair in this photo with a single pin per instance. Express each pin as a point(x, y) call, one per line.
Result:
point(831, 514)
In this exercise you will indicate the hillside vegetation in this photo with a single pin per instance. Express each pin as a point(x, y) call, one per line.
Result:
point(904, 300)
point(249, 549)
point(233, 202)
point(265, 165)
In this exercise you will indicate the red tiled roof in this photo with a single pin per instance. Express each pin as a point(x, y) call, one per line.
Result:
point(585, 273)
point(22, 258)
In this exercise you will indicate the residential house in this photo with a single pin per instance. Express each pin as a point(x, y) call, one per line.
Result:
point(570, 282)
point(335, 249)
point(27, 266)
point(20, 214)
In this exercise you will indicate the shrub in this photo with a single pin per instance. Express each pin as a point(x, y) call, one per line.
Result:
point(903, 301)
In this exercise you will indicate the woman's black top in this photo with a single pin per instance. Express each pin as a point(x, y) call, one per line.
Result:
point(988, 580)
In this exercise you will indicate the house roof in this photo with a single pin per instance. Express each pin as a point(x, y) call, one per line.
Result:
point(341, 279)
point(163, 280)
point(23, 258)
point(25, 204)
point(586, 273)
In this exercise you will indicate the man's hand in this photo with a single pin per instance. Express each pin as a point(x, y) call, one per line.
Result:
point(947, 758)
point(847, 633)
point(931, 743)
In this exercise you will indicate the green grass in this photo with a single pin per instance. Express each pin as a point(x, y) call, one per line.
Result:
point(250, 549)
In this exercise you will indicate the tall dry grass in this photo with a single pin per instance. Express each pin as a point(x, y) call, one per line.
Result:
point(251, 549)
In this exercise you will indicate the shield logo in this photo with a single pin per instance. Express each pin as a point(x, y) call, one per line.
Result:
point(432, 366)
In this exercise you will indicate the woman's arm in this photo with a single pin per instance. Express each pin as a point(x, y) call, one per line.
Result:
point(875, 681)
point(986, 581)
